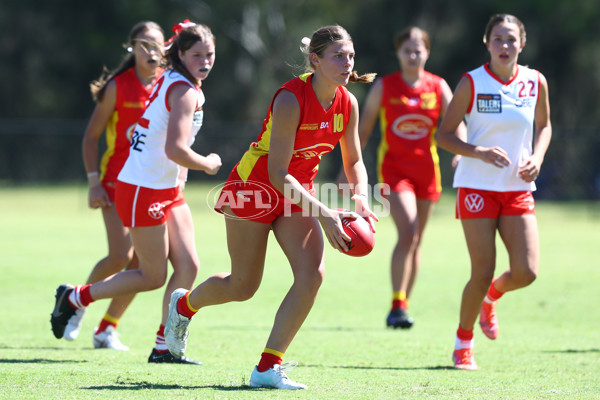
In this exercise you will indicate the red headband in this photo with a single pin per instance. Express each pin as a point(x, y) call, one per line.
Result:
point(177, 28)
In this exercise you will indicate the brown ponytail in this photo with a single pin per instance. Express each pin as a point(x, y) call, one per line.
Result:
point(364, 78)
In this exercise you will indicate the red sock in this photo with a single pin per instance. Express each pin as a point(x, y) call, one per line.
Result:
point(463, 334)
point(267, 360)
point(403, 304)
point(80, 296)
point(493, 294)
point(184, 308)
point(159, 345)
point(86, 296)
point(105, 324)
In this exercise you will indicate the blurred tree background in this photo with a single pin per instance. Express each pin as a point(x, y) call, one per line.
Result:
point(52, 50)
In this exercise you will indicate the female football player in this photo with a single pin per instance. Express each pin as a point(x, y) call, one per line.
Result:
point(271, 189)
point(507, 112)
point(148, 195)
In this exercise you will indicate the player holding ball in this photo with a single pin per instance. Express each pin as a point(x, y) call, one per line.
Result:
point(306, 119)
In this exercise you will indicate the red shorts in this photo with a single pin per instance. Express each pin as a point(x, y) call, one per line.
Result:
point(475, 203)
point(427, 191)
point(140, 206)
point(254, 200)
point(420, 176)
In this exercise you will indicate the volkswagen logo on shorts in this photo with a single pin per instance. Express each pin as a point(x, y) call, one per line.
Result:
point(474, 202)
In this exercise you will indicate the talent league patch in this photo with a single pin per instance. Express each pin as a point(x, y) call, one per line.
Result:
point(489, 103)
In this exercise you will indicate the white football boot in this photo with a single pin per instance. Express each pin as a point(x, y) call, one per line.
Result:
point(74, 325)
point(275, 378)
point(176, 328)
point(108, 339)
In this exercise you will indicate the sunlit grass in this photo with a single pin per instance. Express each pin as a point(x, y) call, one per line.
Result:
point(548, 346)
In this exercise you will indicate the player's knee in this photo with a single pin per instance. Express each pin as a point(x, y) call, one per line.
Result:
point(119, 261)
point(407, 241)
point(195, 267)
point(189, 265)
point(188, 269)
point(154, 282)
point(244, 292)
point(240, 288)
point(526, 277)
point(481, 283)
point(318, 277)
point(313, 279)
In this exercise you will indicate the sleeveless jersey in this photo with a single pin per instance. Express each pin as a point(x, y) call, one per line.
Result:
point(408, 120)
point(147, 164)
point(500, 114)
point(131, 101)
point(318, 133)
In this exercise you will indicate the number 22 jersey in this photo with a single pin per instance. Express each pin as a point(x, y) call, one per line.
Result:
point(500, 114)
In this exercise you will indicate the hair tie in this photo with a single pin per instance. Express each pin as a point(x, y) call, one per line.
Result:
point(177, 28)
point(305, 41)
point(182, 25)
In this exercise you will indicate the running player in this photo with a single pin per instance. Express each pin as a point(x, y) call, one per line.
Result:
point(271, 188)
point(507, 110)
point(121, 97)
point(409, 103)
point(148, 193)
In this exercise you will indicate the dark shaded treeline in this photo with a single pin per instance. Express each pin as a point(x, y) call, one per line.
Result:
point(52, 50)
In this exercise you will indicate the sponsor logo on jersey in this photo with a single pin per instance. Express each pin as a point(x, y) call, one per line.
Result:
point(526, 102)
point(428, 101)
point(412, 126)
point(129, 133)
point(198, 117)
point(316, 150)
point(134, 104)
point(308, 127)
point(489, 103)
point(405, 101)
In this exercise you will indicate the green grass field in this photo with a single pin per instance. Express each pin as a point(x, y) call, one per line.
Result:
point(549, 344)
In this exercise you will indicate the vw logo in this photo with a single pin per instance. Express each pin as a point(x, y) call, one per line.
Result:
point(474, 202)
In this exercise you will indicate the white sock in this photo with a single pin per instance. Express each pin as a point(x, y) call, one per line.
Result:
point(160, 343)
point(463, 344)
point(75, 298)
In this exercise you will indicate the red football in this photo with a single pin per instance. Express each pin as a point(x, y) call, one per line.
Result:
point(362, 238)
